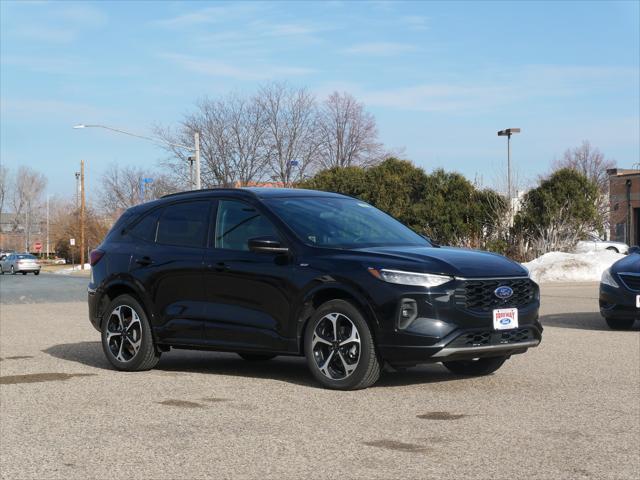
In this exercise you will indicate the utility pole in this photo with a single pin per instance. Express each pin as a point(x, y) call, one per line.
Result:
point(77, 190)
point(82, 206)
point(47, 227)
point(196, 137)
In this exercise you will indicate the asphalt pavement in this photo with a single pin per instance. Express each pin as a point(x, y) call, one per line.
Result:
point(567, 409)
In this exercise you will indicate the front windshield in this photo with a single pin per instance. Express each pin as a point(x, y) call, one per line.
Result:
point(342, 223)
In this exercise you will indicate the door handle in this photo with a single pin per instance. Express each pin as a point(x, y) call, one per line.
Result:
point(144, 261)
point(221, 267)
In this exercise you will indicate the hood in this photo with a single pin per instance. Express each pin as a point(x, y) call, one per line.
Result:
point(630, 263)
point(446, 260)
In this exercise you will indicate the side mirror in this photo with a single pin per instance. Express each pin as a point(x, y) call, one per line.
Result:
point(266, 245)
point(634, 249)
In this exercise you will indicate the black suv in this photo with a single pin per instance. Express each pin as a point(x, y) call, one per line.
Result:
point(266, 272)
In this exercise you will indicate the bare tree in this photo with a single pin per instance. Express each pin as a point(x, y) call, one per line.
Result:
point(232, 135)
point(291, 138)
point(27, 198)
point(4, 187)
point(123, 187)
point(589, 161)
point(348, 133)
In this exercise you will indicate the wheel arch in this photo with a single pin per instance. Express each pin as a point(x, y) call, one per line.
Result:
point(319, 296)
point(122, 287)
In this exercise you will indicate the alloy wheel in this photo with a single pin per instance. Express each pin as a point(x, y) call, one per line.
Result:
point(124, 333)
point(336, 346)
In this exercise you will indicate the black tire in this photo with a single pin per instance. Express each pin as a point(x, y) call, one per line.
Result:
point(24, 273)
point(147, 356)
point(368, 366)
point(613, 249)
point(37, 272)
point(477, 367)
point(256, 357)
point(1, 270)
point(620, 323)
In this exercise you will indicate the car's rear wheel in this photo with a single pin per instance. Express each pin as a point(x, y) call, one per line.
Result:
point(340, 349)
point(127, 340)
point(620, 323)
point(256, 357)
point(37, 272)
point(476, 367)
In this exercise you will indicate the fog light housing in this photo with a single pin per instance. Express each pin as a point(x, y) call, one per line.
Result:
point(407, 313)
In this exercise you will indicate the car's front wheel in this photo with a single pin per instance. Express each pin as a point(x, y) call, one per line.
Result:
point(127, 341)
point(476, 367)
point(339, 347)
point(37, 272)
point(620, 323)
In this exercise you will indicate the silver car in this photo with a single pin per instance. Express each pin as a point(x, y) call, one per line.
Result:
point(19, 263)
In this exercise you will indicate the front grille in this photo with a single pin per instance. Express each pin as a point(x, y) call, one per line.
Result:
point(490, 338)
point(632, 281)
point(478, 295)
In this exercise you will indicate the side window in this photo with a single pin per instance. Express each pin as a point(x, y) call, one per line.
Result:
point(145, 228)
point(237, 222)
point(183, 224)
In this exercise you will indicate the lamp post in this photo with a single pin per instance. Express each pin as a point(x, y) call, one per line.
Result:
point(507, 133)
point(160, 141)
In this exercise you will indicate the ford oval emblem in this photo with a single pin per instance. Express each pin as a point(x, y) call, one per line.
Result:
point(505, 321)
point(503, 292)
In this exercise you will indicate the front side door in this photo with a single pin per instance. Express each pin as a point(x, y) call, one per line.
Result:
point(249, 293)
point(170, 267)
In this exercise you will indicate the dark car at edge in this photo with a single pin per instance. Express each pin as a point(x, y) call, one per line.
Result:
point(620, 292)
point(268, 272)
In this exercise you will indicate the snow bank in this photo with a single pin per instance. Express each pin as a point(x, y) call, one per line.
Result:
point(75, 268)
point(571, 267)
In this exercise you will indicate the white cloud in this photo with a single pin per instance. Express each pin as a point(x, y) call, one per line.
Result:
point(217, 68)
point(415, 22)
point(209, 15)
point(380, 48)
point(491, 89)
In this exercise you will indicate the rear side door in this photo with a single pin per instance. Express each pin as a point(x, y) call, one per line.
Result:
point(170, 268)
point(249, 293)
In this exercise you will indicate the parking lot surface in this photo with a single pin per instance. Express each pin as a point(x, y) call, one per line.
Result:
point(568, 409)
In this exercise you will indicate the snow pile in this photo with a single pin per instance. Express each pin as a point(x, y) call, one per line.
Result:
point(571, 267)
point(75, 268)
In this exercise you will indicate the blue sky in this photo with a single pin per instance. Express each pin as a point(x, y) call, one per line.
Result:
point(441, 78)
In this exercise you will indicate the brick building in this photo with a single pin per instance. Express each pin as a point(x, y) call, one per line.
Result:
point(624, 201)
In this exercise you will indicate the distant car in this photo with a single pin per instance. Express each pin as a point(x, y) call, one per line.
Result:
point(595, 244)
point(620, 292)
point(19, 263)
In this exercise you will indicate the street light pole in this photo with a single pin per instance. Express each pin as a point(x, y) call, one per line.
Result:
point(159, 141)
point(196, 138)
point(82, 207)
point(502, 133)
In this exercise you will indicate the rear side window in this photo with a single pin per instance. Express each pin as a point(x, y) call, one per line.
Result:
point(183, 224)
point(145, 228)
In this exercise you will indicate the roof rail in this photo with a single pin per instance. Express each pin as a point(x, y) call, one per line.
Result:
point(202, 190)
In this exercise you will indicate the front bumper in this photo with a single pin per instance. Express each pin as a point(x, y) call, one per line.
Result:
point(445, 330)
point(618, 303)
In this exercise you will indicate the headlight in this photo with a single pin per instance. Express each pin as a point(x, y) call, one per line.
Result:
point(607, 279)
point(410, 278)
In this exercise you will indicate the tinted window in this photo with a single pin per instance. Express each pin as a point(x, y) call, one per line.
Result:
point(26, 256)
point(183, 224)
point(145, 228)
point(237, 222)
point(342, 223)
